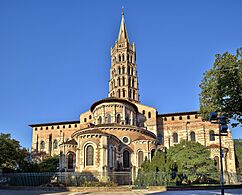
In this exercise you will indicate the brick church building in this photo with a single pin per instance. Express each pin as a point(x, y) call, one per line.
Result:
point(117, 133)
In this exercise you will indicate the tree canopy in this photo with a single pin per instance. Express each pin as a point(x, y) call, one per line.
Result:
point(49, 164)
point(14, 158)
point(221, 87)
point(238, 154)
point(190, 157)
point(11, 154)
point(187, 161)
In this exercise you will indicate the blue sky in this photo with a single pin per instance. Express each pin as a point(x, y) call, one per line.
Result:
point(55, 55)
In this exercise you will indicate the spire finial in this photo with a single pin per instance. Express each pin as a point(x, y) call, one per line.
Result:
point(123, 35)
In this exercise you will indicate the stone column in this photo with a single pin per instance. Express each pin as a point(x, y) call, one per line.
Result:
point(114, 114)
point(132, 118)
point(123, 113)
point(103, 114)
point(77, 154)
point(47, 146)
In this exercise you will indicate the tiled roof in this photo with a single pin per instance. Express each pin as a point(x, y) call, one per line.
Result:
point(112, 99)
point(179, 113)
point(54, 123)
point(72, 142)
point(141, 137)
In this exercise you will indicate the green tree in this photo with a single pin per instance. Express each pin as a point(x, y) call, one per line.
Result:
point(221, 87)
point(192, 160)
point(158, 162)
point(49, 164)
point(12, 156)
point(238, 154)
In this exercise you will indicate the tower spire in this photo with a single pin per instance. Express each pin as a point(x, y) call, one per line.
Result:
point(123, 34)
point(123, 81)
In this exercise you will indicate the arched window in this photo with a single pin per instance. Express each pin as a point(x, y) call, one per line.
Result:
point(140, 158)
point(127, 119)
point(130, 92)
point(89, 155)
point(128, 57)
point(193, 136)
point(108, 118)
point(175, 138)
point(126, 159)
point(119, 82)
point(70, 162)
point(119, 94)
point(123, 92)
point(129, 82)
point(55, 144)
point(133, 94)
point(216, 162)
point(42, 145)
point(119, 70)
point(118, 118)
point(123, 57)
point(128, 70)
point(123, 81)
point(111, 156)
point(149, 114)
point(131, 71)
point(132, 82)
point(123, 70)
point(211, 135)
point(99, 120)
point(119, 58)
point(152, 153)
point(131, 59)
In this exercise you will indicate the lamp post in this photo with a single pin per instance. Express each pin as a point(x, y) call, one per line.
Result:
point(221, 121)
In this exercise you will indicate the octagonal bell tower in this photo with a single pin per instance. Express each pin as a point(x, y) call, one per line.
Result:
point(123, 81)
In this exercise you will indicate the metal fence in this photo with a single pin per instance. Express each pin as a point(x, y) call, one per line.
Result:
point(144, 179)
point(140, 180)
point(66, 179)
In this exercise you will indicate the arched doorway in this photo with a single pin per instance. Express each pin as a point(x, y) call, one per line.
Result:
point(126, 159)
point(71, 160)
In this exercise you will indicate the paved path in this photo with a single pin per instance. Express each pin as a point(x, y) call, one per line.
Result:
point(191, 192)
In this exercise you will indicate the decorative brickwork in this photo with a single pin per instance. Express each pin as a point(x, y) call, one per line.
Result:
point(119, 132)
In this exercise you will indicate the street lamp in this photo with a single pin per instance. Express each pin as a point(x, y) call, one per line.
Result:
point(223, 131)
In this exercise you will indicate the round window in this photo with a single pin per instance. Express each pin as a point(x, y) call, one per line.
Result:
point(126, 140)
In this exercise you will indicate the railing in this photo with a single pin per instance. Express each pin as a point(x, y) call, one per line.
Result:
point(66, 179)
point(145, 179)
point(98, 179)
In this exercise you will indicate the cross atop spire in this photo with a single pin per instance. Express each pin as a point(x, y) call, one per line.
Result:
point(123, 34)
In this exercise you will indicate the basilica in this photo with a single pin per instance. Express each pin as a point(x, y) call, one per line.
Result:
point(117, 133)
